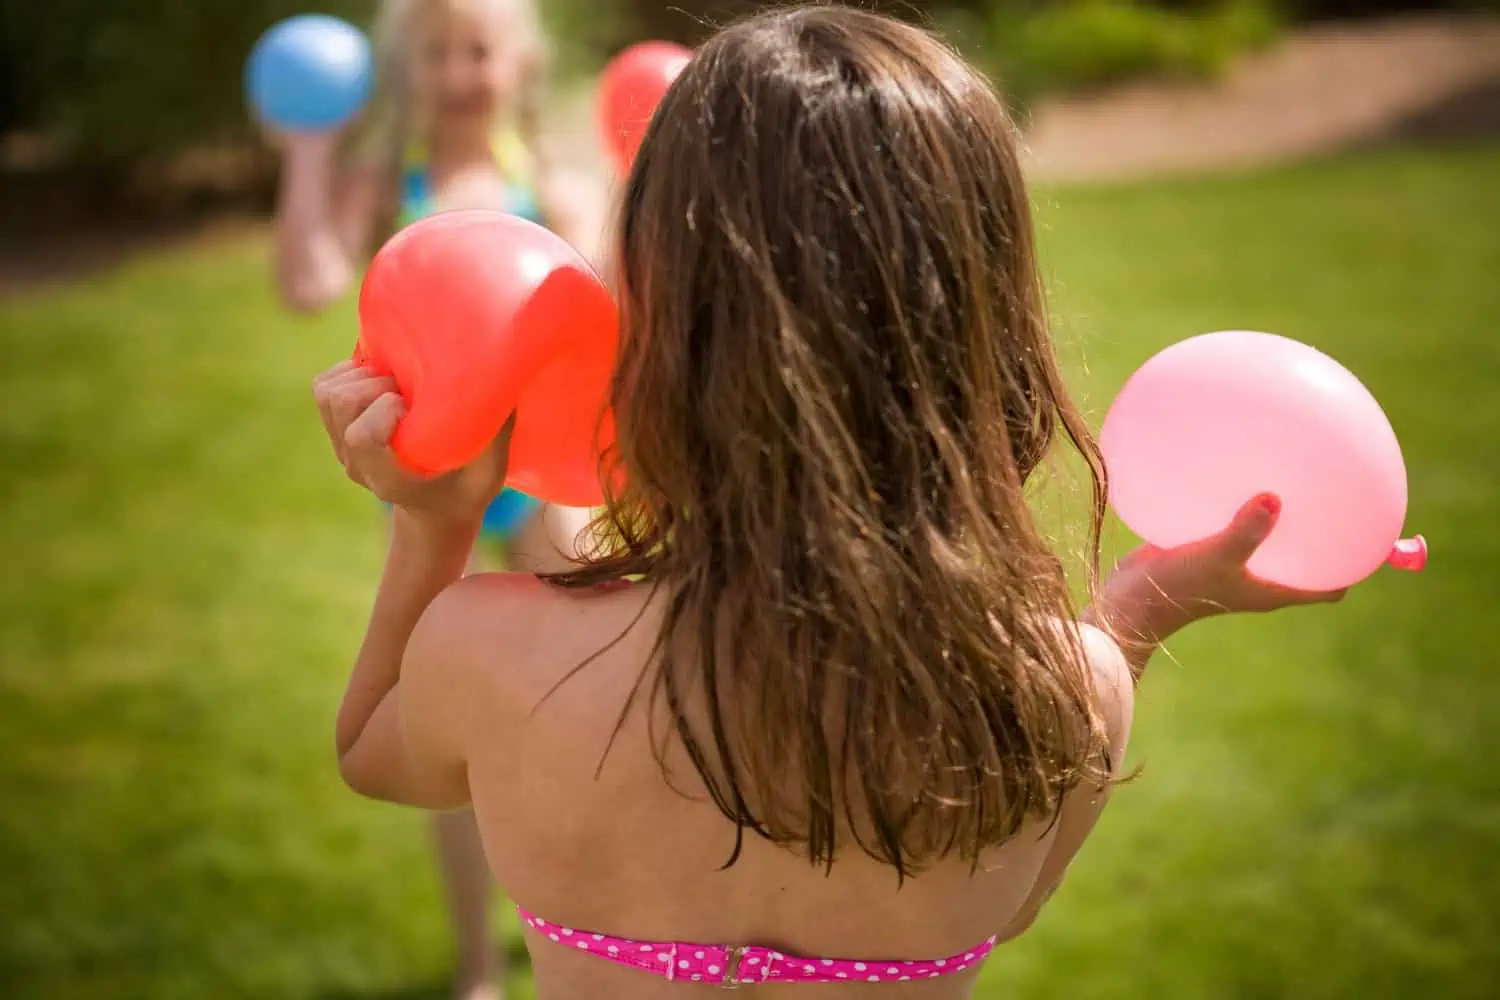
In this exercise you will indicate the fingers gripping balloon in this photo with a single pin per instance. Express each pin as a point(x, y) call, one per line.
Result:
point(630, 89)
point(479, 315)
point(309, 73)
point(1214, 420)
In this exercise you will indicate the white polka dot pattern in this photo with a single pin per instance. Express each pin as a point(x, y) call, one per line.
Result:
point(751, 964)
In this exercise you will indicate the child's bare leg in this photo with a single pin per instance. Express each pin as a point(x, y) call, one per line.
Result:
point(466, 879)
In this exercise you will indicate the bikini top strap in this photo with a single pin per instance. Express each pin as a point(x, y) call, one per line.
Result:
point(744, 964)
point(516, 164)
point(416, 183)
point(512, 157)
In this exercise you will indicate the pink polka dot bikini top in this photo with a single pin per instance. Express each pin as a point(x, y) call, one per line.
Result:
point(742, 965)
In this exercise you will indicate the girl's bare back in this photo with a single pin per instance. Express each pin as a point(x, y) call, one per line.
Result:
point(602, 843)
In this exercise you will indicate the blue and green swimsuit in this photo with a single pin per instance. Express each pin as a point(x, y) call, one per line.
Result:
point(510, 511)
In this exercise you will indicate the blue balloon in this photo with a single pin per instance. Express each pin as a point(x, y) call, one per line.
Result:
point(309, 73)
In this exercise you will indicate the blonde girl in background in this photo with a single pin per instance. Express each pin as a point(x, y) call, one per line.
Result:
point(456, 123)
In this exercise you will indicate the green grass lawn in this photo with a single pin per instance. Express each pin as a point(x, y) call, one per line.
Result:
point(185, 574)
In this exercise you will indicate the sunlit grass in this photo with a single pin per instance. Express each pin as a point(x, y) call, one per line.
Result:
point(185, 574)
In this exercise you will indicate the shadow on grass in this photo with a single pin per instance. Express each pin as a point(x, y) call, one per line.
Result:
point(516, 960)
point(430, 991)
point(1472, 113)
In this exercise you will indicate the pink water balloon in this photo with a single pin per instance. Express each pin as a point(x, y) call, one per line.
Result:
point(1214, 420)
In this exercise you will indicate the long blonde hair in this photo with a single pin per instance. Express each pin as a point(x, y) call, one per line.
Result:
point(391, 122)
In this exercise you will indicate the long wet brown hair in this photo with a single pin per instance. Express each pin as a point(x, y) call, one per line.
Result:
point(835, 379)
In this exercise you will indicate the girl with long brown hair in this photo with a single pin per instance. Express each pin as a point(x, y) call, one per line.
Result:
point(822, 710)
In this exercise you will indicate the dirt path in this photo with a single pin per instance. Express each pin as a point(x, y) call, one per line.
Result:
point(1318, 91)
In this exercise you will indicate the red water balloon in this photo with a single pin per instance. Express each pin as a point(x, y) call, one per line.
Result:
point(479, 315)
point(630, 89)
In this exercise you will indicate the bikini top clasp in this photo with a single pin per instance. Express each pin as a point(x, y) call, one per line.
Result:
point(732, 956)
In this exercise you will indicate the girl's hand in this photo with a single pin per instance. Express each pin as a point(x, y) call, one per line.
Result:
point(360, 411)
point(1209, 577)
point(1155, 592)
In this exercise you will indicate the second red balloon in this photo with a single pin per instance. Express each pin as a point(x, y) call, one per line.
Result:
point(630, 89)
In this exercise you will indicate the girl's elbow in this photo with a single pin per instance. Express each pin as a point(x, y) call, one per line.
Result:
point(302, 301)
point(308, 295)
point(361, 780)
point(350, 775)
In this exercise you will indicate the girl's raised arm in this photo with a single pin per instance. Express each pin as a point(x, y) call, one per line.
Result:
point(324, 221)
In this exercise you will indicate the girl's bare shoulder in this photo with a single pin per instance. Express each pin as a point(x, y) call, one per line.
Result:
point(519, 627)
point(522, 606)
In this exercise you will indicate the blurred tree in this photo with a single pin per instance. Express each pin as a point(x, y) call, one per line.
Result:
point(112, 85)
point(114, 82)
point(690, 21)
